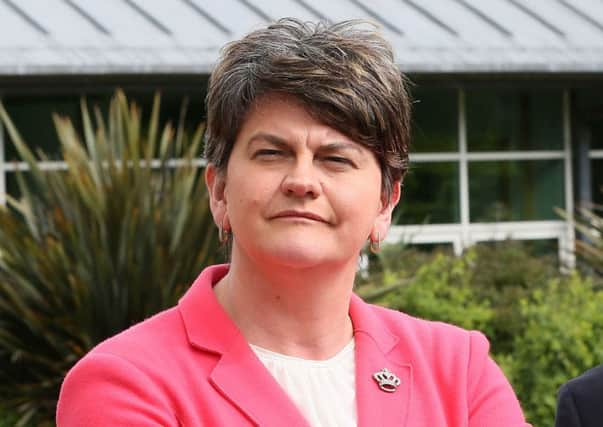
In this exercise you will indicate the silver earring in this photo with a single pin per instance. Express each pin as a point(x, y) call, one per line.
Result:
point(375, 245)
point(223, 233)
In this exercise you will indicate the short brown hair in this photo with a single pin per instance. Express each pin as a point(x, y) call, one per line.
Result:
point(344, 74)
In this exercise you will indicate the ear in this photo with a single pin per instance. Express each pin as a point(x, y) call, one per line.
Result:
point(216, 184)
point(384, 217)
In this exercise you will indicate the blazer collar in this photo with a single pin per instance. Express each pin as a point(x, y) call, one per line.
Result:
point(238, 375)
point(375, 350)
point(207, 325)
point(243, 379)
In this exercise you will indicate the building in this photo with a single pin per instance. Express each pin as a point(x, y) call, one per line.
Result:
point(508, 94)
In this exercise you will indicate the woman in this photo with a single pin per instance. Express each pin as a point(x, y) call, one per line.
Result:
point(308, 130)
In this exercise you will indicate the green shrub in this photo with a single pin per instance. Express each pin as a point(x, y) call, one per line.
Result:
point(441, 290)
point(503, 273)
point(561, 338)
point(391, 268)
point(87, 252)
point(7, 419)
point(497, 275)
point(404, 260)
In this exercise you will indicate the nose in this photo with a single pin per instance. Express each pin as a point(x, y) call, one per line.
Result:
point(301, 180)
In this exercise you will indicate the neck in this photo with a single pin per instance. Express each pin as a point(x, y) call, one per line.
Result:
point(298, 312)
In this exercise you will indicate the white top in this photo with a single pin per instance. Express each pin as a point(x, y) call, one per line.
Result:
point(323, 390)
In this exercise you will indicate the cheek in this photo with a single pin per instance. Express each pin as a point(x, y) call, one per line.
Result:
point(244, 195)
point(359, 205)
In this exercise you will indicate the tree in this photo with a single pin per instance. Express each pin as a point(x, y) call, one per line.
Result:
point(88, 251)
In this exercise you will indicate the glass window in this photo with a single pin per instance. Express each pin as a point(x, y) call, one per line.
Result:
point(171, 106)
point(588, 108)
point(12, 187)
point(515, 190)
point(430, 194)
point(514, 119)
point(32, 115)
point(596, 127)
point(33, 118)
point(434, 120)
point(597, 181)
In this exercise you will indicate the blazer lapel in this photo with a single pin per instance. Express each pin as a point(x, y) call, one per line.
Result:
point(239, 375)
point(374, 344)
point(243, 379)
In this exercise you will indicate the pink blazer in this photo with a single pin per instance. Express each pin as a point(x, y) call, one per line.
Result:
point(190, 366)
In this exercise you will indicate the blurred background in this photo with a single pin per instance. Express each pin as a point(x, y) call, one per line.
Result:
point(507, 152)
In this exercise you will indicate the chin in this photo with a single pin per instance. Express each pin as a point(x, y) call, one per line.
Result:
point(300, 256)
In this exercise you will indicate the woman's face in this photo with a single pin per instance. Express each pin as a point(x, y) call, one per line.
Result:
point(297, 192)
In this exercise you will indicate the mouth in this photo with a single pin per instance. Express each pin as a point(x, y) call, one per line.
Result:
point(293, 214)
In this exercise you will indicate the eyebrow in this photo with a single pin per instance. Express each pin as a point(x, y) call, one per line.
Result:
point(282, 143)
point(335, 146)
point(268, 137)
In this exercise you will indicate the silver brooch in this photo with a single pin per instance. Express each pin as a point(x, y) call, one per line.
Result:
point(387, 381)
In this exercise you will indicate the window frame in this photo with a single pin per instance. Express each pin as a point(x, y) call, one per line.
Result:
point(466, 233)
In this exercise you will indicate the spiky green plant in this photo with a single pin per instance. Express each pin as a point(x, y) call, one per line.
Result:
point(588, 222)
point(88, 251)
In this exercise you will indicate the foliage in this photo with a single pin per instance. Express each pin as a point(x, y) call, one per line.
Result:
point(441, 290)
point(503, 273)
point(390, 261)
point(562, 336)
point(390, 269)
point(7, 419)
point(496, 274)
point(544, 327)
point(88, 251)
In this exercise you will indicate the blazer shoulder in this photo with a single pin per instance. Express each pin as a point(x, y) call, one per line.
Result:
point(127, 374)
point(590, 383)
point(430, 333)
point(150, 345)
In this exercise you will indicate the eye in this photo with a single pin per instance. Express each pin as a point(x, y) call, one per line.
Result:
point(268, 153)
point(338, 160)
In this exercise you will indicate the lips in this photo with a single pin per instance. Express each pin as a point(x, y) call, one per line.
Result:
point(300, 214)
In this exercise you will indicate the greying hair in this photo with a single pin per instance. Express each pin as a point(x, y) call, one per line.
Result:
point(344, 74)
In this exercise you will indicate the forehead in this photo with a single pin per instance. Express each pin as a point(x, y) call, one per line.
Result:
point(287, 117)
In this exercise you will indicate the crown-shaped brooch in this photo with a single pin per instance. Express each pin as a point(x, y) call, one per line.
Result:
point(387, 381)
